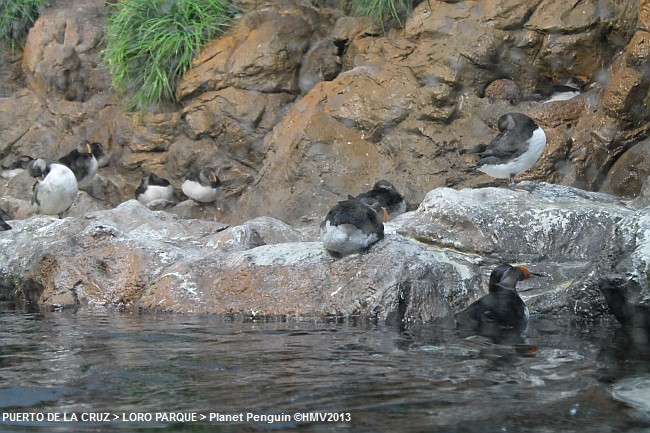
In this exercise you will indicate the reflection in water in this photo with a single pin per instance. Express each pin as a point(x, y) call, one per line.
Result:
point(424, 378)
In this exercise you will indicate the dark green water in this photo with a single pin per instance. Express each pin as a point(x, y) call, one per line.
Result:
point(423, 378)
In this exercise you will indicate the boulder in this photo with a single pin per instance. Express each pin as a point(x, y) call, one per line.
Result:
point(433, 262)
point(60, 56)
point(567, 234)
point(629, 172)
point(263, 52)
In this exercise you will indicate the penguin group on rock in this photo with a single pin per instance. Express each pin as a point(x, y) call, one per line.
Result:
point(352, 225)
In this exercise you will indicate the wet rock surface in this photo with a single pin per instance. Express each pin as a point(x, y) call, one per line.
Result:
point(432, 263)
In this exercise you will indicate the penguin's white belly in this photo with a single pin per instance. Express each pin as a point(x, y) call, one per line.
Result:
point(9, 173)
point(523, 162)
point(198, 192)
point(156, 192)
point(346, 238)
point(57, 192)
point(562, 96)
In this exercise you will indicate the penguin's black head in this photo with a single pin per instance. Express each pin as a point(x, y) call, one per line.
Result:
point(511, 120)
point(97, 149)
point(209, 175)
point(506, 276)
point(38, 168)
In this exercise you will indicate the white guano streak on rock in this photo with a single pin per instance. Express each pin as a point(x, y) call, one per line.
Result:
point(281, 254)
point(186, 285)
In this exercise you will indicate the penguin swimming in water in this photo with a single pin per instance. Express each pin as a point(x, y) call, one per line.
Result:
point(501, 307)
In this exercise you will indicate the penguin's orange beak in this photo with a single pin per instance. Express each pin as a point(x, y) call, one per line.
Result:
point(385, 215)
point(89, 148)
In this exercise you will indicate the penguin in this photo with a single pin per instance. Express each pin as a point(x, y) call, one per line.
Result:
point(202, 185)
point(153, 188)
point(519, 145)
point(353, 226)
point(82, 162)
point(501, 307)
point(564, 92)
point(57, 191)
point(16, 167)
point(388, 197)
point(100, 154)
point(3, 224)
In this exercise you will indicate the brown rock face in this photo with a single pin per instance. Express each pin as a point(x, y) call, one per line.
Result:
point(61, 52)
point(300, 106)
point(264, 52)
point(627, 175)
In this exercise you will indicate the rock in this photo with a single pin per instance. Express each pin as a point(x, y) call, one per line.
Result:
point(273, 231)
point(633, 239)
point(11, 72)
point(627, 175)
point(503, 90)
point(421, 285)
point(568, 234)
point(237, 120)
point(432, 263)
point(300, 103)
point(334, 129)
point(481, 221)
point(320, 63)
point(103, 258)
point(509, 15)
point(61, 50)
point(247, 57)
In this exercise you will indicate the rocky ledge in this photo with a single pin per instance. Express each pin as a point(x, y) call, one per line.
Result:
point(432, 263)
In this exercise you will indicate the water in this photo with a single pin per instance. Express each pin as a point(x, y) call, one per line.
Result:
point(566, 377)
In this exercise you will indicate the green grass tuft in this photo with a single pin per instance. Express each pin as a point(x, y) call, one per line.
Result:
point(151, 43)
point(383, 10)
point(17, 17)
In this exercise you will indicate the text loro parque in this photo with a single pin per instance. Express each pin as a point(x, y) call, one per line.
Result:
point(174, 417)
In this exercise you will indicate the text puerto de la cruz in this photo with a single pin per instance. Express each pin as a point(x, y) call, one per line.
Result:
point(174, 417)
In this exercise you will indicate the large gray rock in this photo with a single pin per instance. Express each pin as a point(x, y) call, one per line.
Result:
point(432, 263)
point(567, 234)
point(634, 256)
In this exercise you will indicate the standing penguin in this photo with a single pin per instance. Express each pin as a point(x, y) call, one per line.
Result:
point(519, 145)
point(57, 191)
